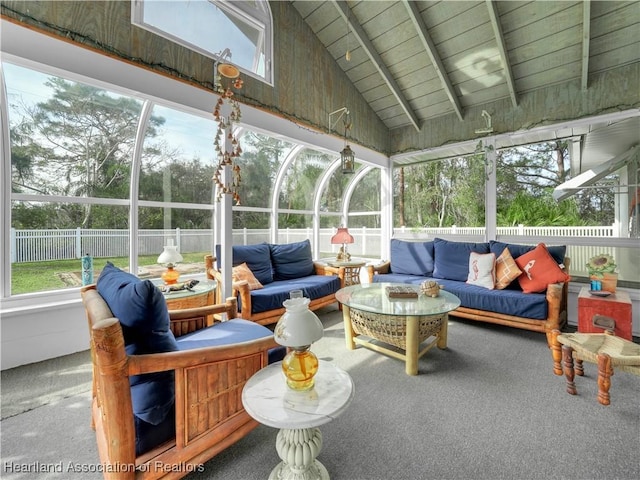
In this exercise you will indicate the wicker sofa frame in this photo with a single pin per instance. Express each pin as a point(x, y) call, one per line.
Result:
point(241, 290)
point(556, 296)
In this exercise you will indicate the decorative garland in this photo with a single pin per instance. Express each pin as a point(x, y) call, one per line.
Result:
point(226, 157)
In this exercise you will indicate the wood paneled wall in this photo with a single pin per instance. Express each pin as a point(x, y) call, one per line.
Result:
point(308, 84)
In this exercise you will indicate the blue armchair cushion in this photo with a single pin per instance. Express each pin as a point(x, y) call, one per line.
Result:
point(413, 258)
point(452, 258)
point(257, 257)
point(292, 260)
point(237, 330)
point(143, 315)
point(224, 333)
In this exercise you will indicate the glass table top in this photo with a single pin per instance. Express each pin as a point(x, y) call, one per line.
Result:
point(372, 297)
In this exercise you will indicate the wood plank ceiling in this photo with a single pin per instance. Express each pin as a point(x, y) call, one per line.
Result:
point(418, 60)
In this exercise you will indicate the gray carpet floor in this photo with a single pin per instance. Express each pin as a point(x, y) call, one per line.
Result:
point(487, 407)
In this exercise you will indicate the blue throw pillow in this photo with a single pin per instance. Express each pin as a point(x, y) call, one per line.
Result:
point(257, 257)
point(142, 311)
point(292, 260)
point(452, 258)
point(412, 258)
point(558, 252)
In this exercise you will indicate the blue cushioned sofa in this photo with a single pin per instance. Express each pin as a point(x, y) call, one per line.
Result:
point(447, 262)
point(280, 268)
point(161, 401)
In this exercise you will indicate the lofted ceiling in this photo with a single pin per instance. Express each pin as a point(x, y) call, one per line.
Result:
point(414, 61)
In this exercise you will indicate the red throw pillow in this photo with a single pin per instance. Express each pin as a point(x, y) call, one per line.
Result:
point(539, 269)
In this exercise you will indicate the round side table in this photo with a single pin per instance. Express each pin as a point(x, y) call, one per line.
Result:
point(268, 400)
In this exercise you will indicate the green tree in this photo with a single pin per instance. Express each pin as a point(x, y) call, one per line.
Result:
point(79, 142)
point(443, 193)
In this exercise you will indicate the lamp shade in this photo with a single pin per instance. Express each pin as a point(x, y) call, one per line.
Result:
point(342, 236)
point(170, 255)
point(299, 326)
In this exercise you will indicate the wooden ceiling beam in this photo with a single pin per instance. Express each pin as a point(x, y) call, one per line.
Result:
point(502, 48)
point(367, 46)
point(430, 48)
point(586, 38)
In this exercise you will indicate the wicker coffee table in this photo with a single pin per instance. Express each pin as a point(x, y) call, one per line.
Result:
point(398, 327)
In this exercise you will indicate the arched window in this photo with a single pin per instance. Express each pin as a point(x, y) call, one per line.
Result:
point(213, 28)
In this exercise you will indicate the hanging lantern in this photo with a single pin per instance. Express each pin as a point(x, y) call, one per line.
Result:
point(348, 159)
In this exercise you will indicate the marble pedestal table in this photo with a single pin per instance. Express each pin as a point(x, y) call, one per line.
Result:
point(268, 399)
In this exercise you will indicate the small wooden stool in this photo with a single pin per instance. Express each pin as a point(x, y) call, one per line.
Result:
point(603, 349)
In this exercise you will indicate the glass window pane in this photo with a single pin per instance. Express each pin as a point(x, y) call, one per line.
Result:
point(47, 245)
point(299, 185)
point(179, 159)
point(627, 259)
point(69, 138)
point(188, 229)
point(440, 194)
point(366, 198)
point(211, 27)
point(332, 197)
point(302, 231)
point(526, 208)
point(259, 163)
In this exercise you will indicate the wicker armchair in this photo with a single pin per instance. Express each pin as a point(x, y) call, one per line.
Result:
point(209, 415)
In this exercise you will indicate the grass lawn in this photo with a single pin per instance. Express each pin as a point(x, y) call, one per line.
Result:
point(60, 274)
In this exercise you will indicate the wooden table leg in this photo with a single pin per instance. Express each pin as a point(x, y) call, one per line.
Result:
point(567, 364)
point(604, 378)
point(556, 351)
point(348, 328)
point(444, 331)
point(412, 344)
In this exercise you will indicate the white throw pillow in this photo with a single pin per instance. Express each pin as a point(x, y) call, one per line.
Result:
point(482, 270)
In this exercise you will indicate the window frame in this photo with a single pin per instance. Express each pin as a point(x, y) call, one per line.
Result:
point(258, 18)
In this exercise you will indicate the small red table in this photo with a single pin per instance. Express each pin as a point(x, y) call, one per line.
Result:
point(616, 306)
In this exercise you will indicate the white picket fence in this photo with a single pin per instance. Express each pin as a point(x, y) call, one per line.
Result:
point(65, 244)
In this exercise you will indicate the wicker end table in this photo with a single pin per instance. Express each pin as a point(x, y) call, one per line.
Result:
point(403, 324)
point(351, 270)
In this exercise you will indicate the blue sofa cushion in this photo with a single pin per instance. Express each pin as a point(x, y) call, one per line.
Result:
point(257, 257)
point(273, 296)
point(292, 260)
point(452, 258)
point(508, 302)
point(142, 311)
point(413, 258)
point(558, 252)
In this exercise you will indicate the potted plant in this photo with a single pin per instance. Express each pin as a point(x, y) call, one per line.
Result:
point(602, 267)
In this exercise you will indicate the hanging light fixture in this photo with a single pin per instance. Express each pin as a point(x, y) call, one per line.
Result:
point(347, 157)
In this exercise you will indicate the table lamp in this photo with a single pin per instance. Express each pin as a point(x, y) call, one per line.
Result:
point(297, 329)
point(169, 257)
point(343, 237)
